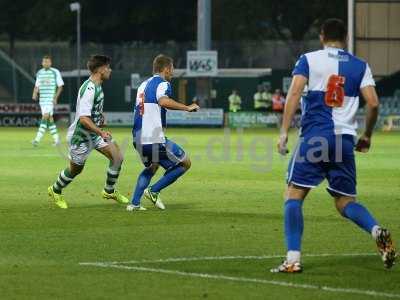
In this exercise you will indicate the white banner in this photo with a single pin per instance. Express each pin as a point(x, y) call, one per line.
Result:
point(202, 63)
point(115, 118)
point(203, 117)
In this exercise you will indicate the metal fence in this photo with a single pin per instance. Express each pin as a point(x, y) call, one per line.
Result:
point(15, 82)
point(137, 56)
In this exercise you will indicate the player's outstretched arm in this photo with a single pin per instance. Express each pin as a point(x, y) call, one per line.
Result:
point(292, 103)
point(169, 103)
point(89, 125)
point(372, 103)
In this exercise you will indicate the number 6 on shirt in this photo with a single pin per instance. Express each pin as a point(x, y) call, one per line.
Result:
point(334, 95)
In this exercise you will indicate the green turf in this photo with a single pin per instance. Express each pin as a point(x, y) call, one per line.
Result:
point(225, 206)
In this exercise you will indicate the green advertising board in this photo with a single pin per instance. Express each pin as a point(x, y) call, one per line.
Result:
point(252, 120)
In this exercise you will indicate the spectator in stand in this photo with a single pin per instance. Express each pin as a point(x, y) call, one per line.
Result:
point(262, 99)
point(268, 96)
point(235, 101)
point(278, 101)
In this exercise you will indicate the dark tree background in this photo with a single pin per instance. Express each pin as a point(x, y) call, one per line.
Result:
point(118, 21)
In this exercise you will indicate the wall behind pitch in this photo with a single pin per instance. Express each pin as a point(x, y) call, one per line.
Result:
point(114, 92)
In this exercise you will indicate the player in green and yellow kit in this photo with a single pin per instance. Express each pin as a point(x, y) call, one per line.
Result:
point(48, 87)
point(85, 134)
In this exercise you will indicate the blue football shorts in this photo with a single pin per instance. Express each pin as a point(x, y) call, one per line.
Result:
point(167, 155)
point(329, 157)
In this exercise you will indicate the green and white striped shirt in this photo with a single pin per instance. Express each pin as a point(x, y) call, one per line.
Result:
point(47, 81)
point(90, 104)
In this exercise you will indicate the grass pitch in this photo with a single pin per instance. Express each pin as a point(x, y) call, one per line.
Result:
point(223, 225)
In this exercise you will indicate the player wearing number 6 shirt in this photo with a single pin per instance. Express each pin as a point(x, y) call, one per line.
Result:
point(154, 96)
point(335, 78)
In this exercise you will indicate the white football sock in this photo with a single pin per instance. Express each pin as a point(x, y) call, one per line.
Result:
point(374, 231)
point(293, 256)
point(41, 132)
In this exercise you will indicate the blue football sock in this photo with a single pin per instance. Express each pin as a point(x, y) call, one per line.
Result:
point(294, 224)
point(142, 183)
point(359, 215)
point(169, 177)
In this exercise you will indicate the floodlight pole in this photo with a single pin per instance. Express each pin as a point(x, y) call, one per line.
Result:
point(204, 25)
point(78, 50)
point(203, 85)
point(350, 25)
point(76, 6)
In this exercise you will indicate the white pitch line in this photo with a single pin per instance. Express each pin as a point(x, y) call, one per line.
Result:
point(229, 257)
point(251, 280)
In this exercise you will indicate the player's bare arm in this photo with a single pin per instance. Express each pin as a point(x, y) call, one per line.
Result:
point(58, 93)
point(292, 103)
point(169, 103)
point(35, 94)
point(89, 125)
point(372, 103)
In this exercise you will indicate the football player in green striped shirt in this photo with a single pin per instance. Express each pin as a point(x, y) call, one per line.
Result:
point(48, 87)
point(85, 134)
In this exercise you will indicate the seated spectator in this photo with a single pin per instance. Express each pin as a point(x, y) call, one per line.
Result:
point(267, 95)
point(235, 101)
point(278, 101)
point(262, 99)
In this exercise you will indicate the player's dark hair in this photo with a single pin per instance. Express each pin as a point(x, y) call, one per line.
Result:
point(161, 62)
point(46, 57)
point(97, 61)
point(334, 30)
